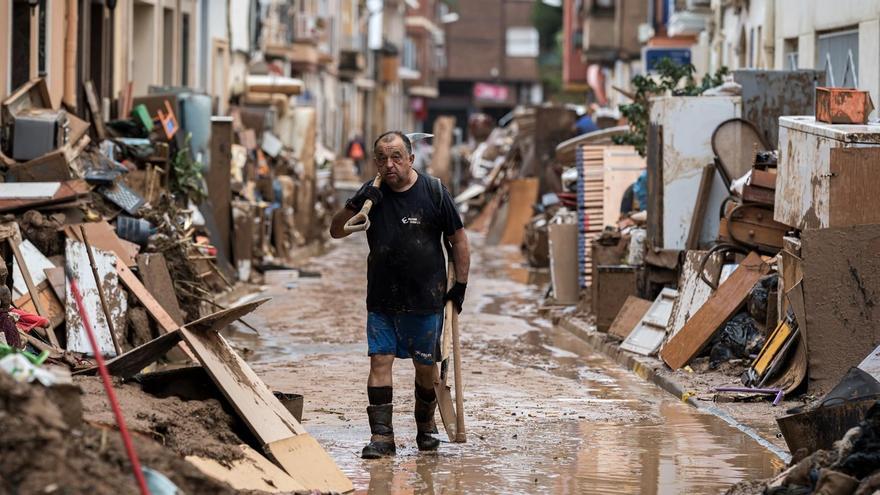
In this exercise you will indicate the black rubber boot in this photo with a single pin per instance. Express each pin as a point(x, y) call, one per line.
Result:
point(425, 425)
point(382, 439)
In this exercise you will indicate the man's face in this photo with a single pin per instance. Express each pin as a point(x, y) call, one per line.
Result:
point(392, 161)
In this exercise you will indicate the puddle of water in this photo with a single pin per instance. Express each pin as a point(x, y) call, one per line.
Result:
point(670, 448)
point(545, 414)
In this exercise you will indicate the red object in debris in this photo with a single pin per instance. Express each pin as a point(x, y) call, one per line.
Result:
point(108, 388)
point(843, 106)
point(29, 321)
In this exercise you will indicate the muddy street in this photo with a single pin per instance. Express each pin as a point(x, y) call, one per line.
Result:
point(544, 413)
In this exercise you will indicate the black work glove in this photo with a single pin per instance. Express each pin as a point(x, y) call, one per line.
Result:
point(456, 295)
point(357, 201)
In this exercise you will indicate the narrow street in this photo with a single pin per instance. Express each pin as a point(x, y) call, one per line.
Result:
point(544, 414)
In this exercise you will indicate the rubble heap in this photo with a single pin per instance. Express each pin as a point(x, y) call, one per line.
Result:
point(705, 250)
point(148, 218)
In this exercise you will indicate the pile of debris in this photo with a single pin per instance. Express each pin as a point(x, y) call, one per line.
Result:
point(708, 247)
point(850, 467)
point(116, 237)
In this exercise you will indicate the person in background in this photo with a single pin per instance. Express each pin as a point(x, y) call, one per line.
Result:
point(635, 199)
point(585, 123)
point(355, 151)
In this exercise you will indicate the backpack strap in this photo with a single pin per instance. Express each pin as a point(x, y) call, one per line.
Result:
point(436, 187)
point(436, 190)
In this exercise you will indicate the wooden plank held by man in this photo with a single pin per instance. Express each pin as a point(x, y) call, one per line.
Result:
point(408, 214)
point(452, 417)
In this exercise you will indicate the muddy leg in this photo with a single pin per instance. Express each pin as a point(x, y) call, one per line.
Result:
point(426, 405)
point(380, 410)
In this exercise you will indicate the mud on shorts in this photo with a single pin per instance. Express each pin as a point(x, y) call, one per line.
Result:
point(405, 336)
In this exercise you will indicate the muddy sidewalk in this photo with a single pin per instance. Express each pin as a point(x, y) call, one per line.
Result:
point(544, 413)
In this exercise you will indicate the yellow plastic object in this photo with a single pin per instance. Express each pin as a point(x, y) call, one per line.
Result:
point(777, 339)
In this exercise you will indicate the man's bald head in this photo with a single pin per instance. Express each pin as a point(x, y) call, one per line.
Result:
point(389, 137)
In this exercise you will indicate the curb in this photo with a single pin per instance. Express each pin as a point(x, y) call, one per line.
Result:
point(646, 370)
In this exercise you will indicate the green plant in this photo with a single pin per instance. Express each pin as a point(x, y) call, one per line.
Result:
point(678, 79)
point(186, 176)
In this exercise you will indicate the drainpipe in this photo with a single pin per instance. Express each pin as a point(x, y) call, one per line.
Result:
point(70, 47)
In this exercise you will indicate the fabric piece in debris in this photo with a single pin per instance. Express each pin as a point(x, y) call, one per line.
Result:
point(23, 370)
point(739, 338)
point(28, 321)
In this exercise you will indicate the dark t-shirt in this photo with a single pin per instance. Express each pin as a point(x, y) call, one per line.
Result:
point(405, 269)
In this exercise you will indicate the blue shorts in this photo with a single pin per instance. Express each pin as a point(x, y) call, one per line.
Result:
point(405, 335)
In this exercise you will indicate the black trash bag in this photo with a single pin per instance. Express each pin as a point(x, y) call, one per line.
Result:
point(739, 338)
point(759, 297)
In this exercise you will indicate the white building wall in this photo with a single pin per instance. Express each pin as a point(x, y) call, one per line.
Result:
point(804, 19)
point(741, 37)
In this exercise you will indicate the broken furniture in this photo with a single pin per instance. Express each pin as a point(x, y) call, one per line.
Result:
point(603, 175)
point(647, 337)
point(679, 146)
point(827, 174)
point(735, 142)
point(693, 291)
point(630, 314)
point(718, 308)
point(612, 285)
point(751, 226)
point(589, 207)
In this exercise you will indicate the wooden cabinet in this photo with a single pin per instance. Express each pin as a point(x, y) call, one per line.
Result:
point(828, 175)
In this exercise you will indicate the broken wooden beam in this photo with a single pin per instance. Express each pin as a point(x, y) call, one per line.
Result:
point(281, 435)
point(719, 307)
point(132, 362)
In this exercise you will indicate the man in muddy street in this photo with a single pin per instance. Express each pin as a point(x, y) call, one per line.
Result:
point(406, 283)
